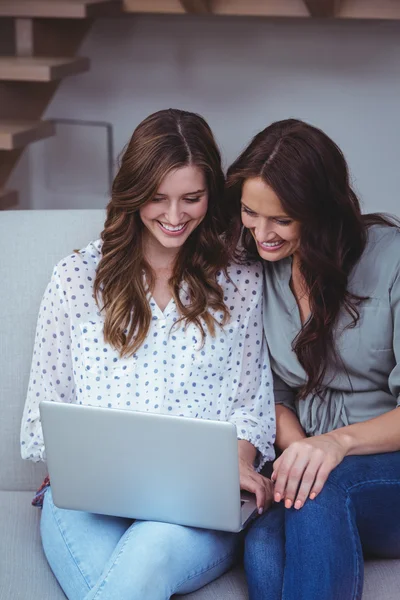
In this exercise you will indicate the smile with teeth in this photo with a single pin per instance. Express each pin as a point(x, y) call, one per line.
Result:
point(171, 229)
point(271, 244)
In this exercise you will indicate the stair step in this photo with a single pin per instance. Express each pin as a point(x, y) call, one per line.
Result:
point(59, 9)
point(17, 134)
point(8, 199)
point(15, 68)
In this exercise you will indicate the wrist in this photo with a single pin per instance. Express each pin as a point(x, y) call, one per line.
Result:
point(342, 437)
point(247, 452)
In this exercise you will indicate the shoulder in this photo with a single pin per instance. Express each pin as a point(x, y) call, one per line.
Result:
point(380, 262)
point(382, 250)
point(381, 238)
point(78, 268)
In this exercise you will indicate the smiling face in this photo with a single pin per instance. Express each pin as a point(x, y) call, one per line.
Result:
point(178, 207)
point(276, 234)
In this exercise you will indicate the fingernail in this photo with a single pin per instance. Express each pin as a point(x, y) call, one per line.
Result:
point(313, 495)
point(277, 497)
point(297, 504)
point(260, 511)
point(288, 503)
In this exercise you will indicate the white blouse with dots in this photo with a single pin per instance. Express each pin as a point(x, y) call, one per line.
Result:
point(228, 378)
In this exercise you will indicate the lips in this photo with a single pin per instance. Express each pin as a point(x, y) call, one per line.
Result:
point(173, 231)
point(271, 246)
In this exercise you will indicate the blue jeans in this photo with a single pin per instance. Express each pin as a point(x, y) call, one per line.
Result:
point(96, 557)
point(316, 553)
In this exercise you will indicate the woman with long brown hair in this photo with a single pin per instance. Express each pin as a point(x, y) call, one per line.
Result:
point(152, 317)
point(332, 323)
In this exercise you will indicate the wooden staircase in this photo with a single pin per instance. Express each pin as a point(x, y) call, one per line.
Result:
point(47, 35)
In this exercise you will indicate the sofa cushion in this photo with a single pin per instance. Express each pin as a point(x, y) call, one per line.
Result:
point(24, 573)
point(33, 242)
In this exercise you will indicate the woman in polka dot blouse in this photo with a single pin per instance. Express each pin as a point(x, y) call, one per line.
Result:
point(153, 317)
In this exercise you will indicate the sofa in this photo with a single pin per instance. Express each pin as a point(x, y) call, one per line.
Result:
point(31, 243)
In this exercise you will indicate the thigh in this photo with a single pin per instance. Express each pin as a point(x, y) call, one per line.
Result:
point(264, 555)
point(358, 510)
point(77, 545)
point(372, 484)
point(356, 471)
point(156, 560)
point(202, 555)
point(191, 557)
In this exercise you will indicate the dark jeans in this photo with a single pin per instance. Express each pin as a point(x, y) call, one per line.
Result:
point(316, 553)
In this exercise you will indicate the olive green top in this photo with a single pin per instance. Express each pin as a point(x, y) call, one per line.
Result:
point(370, 352)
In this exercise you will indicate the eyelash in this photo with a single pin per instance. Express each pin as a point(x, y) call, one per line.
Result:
point(248, 212)
point(191, 200)
point(279, 221)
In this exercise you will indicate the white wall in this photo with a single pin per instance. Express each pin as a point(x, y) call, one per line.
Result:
point(240, 74)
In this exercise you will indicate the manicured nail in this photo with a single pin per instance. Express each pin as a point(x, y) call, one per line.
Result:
point(313, 495)
point(260, 511)
point(298, 504)
point(277, 497)
point(288, 503)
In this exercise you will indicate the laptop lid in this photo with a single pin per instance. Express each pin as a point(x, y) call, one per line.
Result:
point(143, 465)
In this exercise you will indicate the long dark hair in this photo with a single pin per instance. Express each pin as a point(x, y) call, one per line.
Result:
point(309, 174)
point(166, 140)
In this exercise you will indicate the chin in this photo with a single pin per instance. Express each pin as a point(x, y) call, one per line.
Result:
point(171, 242)
point(270, 257)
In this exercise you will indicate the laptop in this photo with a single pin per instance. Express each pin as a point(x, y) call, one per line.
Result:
point(145, 466)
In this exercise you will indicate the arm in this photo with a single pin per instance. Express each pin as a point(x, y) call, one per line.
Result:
point(253, 409)
point(288, 428)
point(381, 434)
point(247, 452)
point(314, 458)
point(51, 376)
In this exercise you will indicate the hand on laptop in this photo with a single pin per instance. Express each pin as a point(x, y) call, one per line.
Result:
point(250, 480)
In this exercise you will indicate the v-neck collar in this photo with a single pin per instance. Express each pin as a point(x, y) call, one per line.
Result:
point(171, 306)
point(161, 314)
point(284, 272)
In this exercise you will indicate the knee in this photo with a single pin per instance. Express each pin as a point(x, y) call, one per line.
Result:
point(269, 523)
point(322, 516)
point(159, 550)
point(263, 531)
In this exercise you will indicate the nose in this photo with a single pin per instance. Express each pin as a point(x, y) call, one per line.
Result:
point(264, 231)
point(174, 213)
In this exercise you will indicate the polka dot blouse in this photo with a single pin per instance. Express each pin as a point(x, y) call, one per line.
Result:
point(228, 378)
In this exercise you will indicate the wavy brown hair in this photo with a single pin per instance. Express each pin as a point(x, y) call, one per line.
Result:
point(166, 140)
point(309, 174)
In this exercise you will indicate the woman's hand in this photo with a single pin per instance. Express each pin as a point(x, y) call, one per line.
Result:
point(303, 468)
point(253, 482)
point(250, 480)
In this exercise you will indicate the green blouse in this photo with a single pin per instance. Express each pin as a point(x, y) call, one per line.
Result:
point(369, 385)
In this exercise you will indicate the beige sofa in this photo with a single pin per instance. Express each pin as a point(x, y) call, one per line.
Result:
point(31, 243)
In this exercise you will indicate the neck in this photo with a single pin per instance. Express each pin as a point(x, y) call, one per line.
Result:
point(158, 257)
point(297, 276)
point(296, 262)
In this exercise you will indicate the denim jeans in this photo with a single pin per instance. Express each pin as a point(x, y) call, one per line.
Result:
point(317, 552)
point(97, 557)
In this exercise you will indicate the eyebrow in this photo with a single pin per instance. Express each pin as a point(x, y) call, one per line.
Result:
point(187, 194)
point(271, 217)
